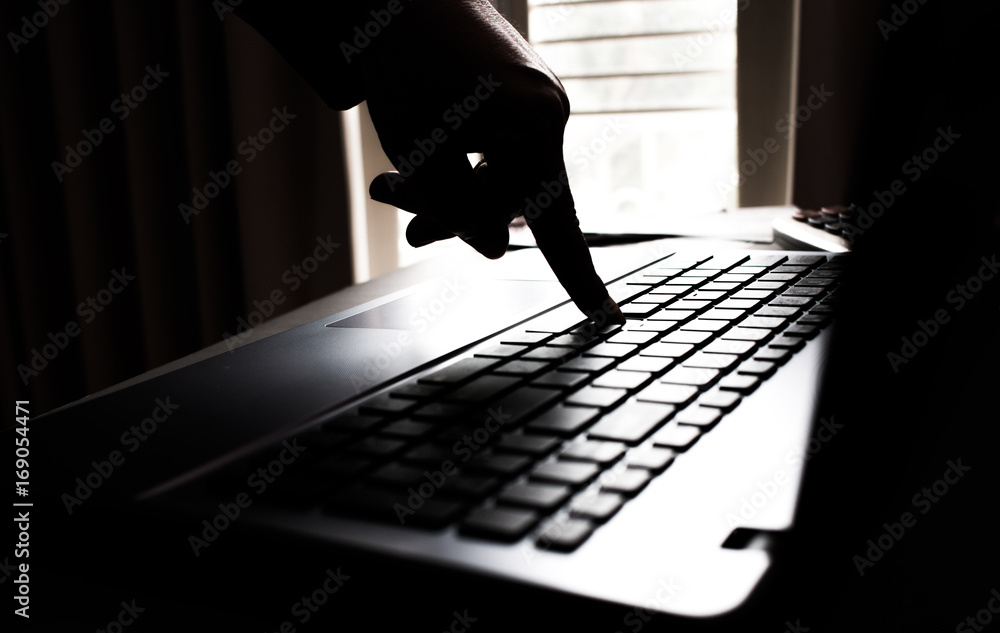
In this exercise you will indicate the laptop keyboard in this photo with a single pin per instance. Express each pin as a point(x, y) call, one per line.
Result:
point(550, 428)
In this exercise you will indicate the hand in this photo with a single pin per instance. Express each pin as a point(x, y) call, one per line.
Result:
point(445, 79)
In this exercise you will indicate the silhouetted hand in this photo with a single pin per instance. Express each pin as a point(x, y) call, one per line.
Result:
point(443, 80)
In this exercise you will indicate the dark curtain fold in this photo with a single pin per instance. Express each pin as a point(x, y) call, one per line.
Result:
point(198, 85)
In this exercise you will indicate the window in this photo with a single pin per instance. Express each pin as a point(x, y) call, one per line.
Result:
point(652, 84)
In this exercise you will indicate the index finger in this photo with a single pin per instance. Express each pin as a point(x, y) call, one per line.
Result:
point(536, 172)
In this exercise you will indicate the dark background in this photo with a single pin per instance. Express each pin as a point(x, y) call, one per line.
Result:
point(120, 209)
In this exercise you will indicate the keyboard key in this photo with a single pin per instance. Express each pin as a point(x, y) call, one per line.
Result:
point(563, 420)
point(668, 350)
point(633, 338)
point(621, 379)
point(460, 371)
point(650, 326)
point(737, 304)
point(738, 348)
point(548, 353)
point(504, 524)
point(686, 336)
point(628, 482)
point(787, 342)
point(695, 376)
point(565, 536)
point(711, 361)
point(638, 310)
point(561, 380)
point(428, 455)
point(785, 300)
point(667, 394)
point(545, 497)
point(631, 422)
point(763, 322)
point(801, 331)
point(521, 368)
point(672, 315)
point(611, 350)
point(376, 447)
point(482, 389)
point(705, 325)
point(408, 428)
point(603, 453)
point(717, 314)
point(718, 399)
point(568, 473)
point(706, 295)
point(469, 487)
point(599, 397)
point(654, 459)
point(752, 294)
point(778, 311)
point(740, 383)
point(677, 436)
point(396, 475)
point(757, 368)
point(773, 354)
point(597, 507)
point(500, 351)
point(537, 445)
point(747, 334)
point(523, 402)
point(498, 465)
point(803, 291)
point(576, 341)
point(699, 416)
point(649, 364)
point(587, 364)
point(686, 304)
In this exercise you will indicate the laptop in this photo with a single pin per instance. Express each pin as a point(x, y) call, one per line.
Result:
point(526, 444)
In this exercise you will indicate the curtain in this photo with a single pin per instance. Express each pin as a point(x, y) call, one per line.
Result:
point(165, 176)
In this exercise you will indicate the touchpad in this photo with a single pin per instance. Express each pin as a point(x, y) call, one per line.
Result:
point(458, 305)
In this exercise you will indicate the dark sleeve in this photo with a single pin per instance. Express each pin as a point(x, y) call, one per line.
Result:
point(320, 40)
